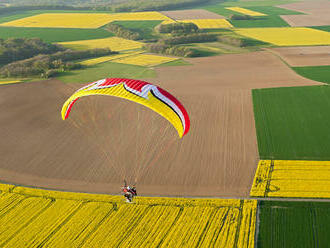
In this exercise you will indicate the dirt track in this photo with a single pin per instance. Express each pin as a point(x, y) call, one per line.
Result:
point(304, 56)
point(217, 158)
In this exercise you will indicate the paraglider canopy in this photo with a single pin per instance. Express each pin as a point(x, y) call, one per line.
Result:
point(138, 91)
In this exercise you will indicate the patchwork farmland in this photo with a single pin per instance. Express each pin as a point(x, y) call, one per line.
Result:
point(253, 77)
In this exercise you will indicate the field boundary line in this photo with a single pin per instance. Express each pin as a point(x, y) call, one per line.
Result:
point(256, 233)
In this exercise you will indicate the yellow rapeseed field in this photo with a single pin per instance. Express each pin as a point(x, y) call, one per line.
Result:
point(292, 178)
point(103, 59)
point(205, 23)
point(41, 218)
point(246, 11)
point(144, 60)
point(81, 20)
point(289, 36)
point(139, 16)
point(62, 20)
point(10, 82)
point(114, 43)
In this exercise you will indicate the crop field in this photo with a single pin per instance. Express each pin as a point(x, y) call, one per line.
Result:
point(207, 23)
point(270, 21)
point(114, 43)
point(292, 178)
point(272, 10)
point(9, 81)
point(81, 20)
point(35, 218)
point(308, 61)
point(107, 69)
point(293, 123)
point(144, 60)
point(139, 16)
point(287, 36)
point(62, 20)
point(293, 224)
point(317, 73)
point(54, 34)
point(271, 18)
point(191, 14)
point(324, 28)
point(99, 60)
point(246, 11)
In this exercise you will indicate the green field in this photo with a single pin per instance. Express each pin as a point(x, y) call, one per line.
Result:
point(324, 28)
point(293, 123)
point(272, 19)
point(145, 28)
point(108, 69)
point(316, 73)
point(177, 62)
point(293, 224)
point(261, 22)
point(272, 10)
point(54, 34)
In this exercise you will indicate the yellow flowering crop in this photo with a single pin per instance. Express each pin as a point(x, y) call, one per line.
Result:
point(62, 20)
point(246, 11)
point(139, 16)
point(291, 178)
point(114, 43)
point(41, 218)
point(205, 23)
point(103, 59)
point(81, 20)
point(261, 179)
point(290, 36)
point(144, 60)
point(246, 232)
point(10, 82)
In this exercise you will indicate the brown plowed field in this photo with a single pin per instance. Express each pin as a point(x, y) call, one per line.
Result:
point(308, 7)
point(322, 19)
point(217, 158)
point(191, 14)
point(318, 13)
point(304, 56)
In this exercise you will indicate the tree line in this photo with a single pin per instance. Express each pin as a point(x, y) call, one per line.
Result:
point(191, 38)
point(14, 49)
point(178, 51)
point(177, 28)
point(48, 65)
point(122, 32)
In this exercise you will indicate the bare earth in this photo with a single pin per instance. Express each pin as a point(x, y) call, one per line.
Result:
point(304, 56)
point(308, 7)
point(191, 14)
point(318, 13)
point(217, 158)
point(307, 20)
